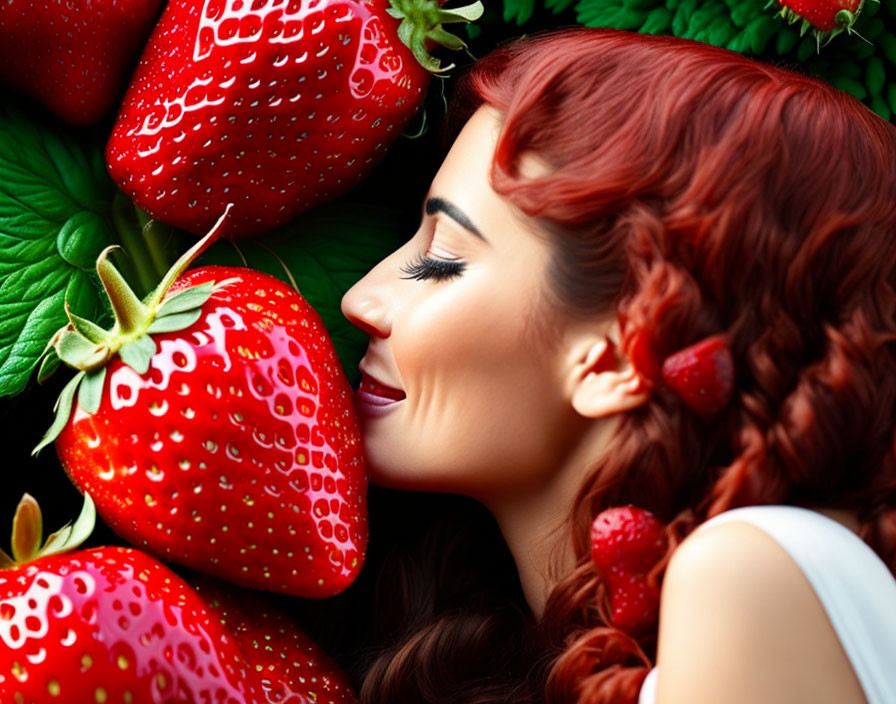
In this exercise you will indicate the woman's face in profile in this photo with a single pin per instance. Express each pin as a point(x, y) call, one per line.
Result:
point(462, 384)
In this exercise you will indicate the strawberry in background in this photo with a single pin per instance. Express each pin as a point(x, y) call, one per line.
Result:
point(213, 425)
point(825, 18)
point(107, 624)
point(72, 56)
point(273, 105)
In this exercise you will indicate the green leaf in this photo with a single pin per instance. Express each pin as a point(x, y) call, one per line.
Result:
point(27, 529)
point(188, 299)
point(27, 327)
point(77, 351)
point(87, 328)
point(54, 194)
point(71, 536)
point(467, 13)
point(63, 411)
point(81, 236)
point(558, 6)
point(327, 250)
point(178, 321)
point(138, 354)
point(658, 21)
point(90, 392)
point(49, 365)
point(519, 11)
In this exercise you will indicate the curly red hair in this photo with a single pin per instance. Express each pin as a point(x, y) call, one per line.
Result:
point(694, 191)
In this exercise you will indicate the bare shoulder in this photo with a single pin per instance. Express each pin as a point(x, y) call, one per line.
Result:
point(739, 622)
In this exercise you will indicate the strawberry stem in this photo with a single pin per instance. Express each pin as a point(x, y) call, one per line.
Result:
point(135, 263)
point(157, 236)
point(845, 18)
point(178, 268)
point(422, 20)
point(130, 314)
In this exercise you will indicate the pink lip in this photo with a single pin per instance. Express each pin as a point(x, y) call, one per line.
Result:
point(375, 398)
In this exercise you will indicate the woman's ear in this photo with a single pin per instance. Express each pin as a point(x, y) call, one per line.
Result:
point(604, 382)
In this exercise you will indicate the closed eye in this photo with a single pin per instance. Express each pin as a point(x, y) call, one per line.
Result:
point(426, 268)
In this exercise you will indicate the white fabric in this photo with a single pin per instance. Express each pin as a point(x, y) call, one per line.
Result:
point(855, 588)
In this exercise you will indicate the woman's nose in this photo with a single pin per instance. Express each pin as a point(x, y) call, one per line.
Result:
point(366, 304)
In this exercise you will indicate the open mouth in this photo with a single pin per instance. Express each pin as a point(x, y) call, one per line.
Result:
point(374, 395)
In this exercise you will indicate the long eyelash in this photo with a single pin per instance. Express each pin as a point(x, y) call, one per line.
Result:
point(424, 268)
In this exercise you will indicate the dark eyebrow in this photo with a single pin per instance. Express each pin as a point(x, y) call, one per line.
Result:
point(440, 205)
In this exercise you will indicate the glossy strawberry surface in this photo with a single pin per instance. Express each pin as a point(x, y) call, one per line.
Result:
point(273, 105)
point(70, 55)
point(626, 544)
point(112, 625)
point(238, 452)
point(290, 667)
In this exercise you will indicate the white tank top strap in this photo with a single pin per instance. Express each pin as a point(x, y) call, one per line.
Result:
point(855, 588)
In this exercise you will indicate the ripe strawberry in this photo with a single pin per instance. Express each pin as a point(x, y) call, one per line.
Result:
point(626, 543)
point(107, 625)
point(222, 435)
point(72, 56)
point(273, 105)
point(292, 669)
point(826, 18)
point(702, 374)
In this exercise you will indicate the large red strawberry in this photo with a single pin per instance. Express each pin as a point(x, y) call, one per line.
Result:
point(291, 668)
point(214, 426)
point(273, 105)
point(70, 55)
point(109, 624)
point(826, 18)
point(626, 543)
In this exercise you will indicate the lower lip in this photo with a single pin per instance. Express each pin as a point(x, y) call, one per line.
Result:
point(368, 402)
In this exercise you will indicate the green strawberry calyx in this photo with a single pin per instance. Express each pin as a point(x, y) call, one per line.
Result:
point(85, 346)
point(843, 20)
point(27, 531)
point(421, 22)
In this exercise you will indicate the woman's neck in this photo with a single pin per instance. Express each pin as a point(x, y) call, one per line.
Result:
point(535, 523)
point(541, 548)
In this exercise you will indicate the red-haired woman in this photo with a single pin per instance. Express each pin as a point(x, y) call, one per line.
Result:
point(611, 200)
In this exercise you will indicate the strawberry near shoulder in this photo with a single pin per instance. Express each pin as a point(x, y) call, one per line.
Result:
point(112, 624)
point(626, 544)
point(107, 624)
point(290, 667)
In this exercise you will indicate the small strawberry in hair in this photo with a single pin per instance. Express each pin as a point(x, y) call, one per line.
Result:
point(626, 543)
point(702, 375)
